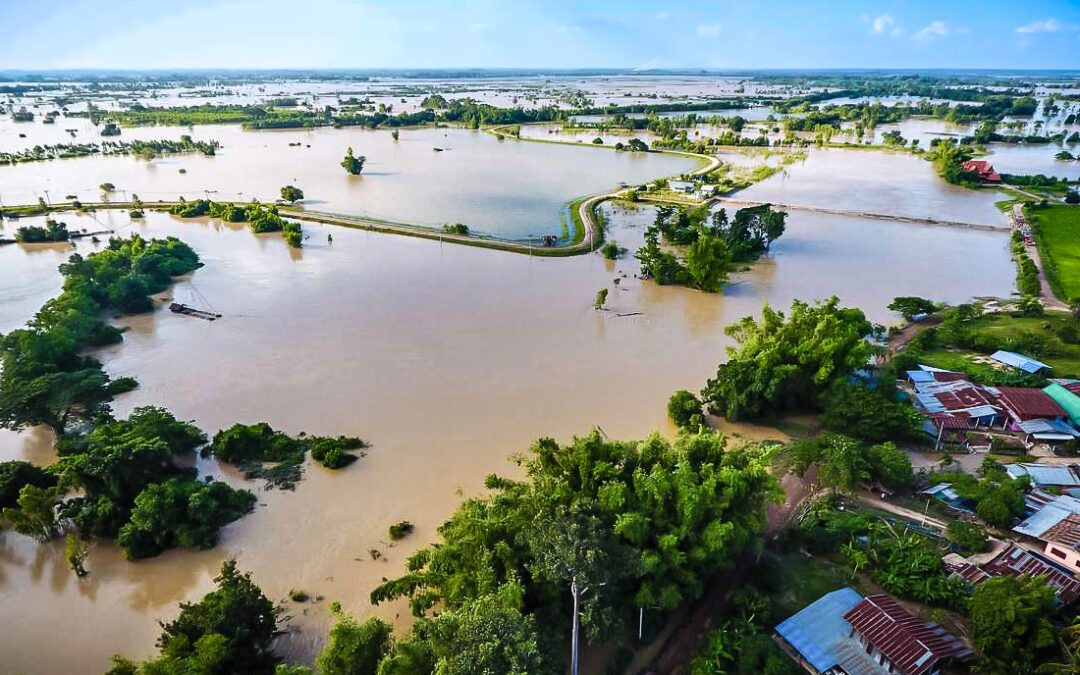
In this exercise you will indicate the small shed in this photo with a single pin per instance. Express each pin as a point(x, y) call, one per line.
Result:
point(681, 186)
point(946, 493)
point(1019, 361)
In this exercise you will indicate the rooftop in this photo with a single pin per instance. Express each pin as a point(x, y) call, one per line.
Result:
point(1044, 474)
point(1024, 363)
point(818, 629)
point(1049, 515)
point(1027, 403)
point(913, 647)
point(1015, 561)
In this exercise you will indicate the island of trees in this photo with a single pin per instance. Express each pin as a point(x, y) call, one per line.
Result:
point(712, 245)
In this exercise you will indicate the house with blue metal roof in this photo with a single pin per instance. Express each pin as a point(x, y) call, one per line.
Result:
point(818, 633)
point(1019, 361)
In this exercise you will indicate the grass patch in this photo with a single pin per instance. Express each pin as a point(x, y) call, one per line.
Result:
point(1057, 231)
point(1040, 337)
point(807, 579)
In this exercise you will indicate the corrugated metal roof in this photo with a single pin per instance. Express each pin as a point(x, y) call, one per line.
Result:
point(943, 489)
point(920, 376)
point(1027, 403)
point(913, 647)
point(1042, 520)
point(1066, 532)
point(1044, 474)
point(817, 630)
point(1017, 562)
point(1049, 429)
point(1024, 363)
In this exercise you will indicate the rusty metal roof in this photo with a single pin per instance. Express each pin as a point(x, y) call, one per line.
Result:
point(1066, 531)
point(1028, 403)
point(1017, 562)
point(913, 647)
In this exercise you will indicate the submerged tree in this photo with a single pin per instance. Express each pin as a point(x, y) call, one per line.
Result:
point(353, 164)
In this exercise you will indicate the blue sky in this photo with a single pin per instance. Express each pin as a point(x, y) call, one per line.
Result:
point(143, 34)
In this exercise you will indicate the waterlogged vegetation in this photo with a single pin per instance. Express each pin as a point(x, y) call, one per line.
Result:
point(712, 243)
point(597, 521)
point(141, 149)
point(262, 218)
point(124, 479)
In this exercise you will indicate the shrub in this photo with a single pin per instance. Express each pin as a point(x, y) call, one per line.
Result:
point(684, 410)
point(400, 530)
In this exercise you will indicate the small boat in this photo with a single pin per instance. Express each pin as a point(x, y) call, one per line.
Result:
point(181, 308)
point(437, 149)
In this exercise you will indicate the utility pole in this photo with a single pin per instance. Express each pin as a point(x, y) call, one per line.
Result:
point(574, 640)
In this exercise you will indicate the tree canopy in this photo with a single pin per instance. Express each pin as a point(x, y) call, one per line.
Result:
point(782, 363)
point(637, 523)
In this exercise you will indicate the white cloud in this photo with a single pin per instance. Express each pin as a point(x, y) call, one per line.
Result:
point(709, 30)
point(935, 29)
point(661, 16)
point(479, 27)
point(897, 32)
point(1049, 26)
point(882, 23)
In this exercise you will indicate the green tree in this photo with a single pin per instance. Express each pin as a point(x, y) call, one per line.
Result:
point(1010, 624)
point(238, 612)
point(36, 513)
point(707, 263)
point(485, 637)
point(291, 193)
point(17, 474)
point(76, 550)
point(352, 164)
point(601, 298)
point(181, 513)
point(869, 414)
point(684, 410)
point(783, 363)
point(910, 306)
point(355, 648)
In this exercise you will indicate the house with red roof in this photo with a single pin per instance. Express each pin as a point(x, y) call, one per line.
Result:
point(899, 642)
point(983, 170)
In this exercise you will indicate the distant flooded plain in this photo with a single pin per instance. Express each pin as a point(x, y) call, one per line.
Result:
point(430, 176)
point(446, 358)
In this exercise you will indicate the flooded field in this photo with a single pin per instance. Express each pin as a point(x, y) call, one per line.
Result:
point(876, 182)
point(446, 358)
point(506, 188)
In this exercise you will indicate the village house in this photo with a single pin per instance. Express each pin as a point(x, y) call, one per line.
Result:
point(843, 633)
point(983, 170)
point(1017, 562)
point(1055, 525)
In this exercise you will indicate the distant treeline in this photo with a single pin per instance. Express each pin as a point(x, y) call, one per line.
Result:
point(142, 149)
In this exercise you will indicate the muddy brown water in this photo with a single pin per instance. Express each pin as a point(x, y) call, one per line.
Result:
point(446, 358)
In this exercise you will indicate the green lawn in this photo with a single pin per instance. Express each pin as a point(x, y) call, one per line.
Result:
point(1038, 337)
point(1058, 231)
point(807, 579)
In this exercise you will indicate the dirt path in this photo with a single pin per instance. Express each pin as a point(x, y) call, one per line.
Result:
point(871, 500)
point(1046, 294)
point(899, 340)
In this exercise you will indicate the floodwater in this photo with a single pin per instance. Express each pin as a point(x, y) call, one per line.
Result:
point(871, 181)
point(446, 358)
point(506, 188)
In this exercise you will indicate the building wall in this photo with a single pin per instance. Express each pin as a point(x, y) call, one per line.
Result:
point(1063, 554)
